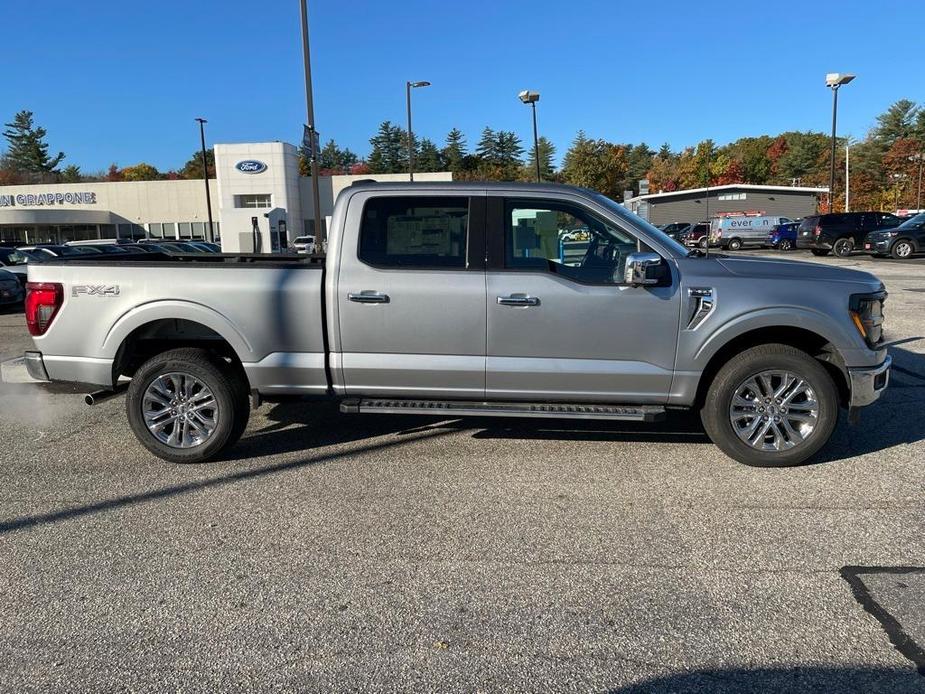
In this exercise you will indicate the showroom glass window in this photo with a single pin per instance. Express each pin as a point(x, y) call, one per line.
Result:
point(566, 240)
point(407, 231)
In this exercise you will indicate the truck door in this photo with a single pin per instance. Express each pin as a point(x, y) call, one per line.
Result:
point(562, 326)
point(411, 295)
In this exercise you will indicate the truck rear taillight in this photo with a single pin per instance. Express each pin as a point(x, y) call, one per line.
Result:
point(43, 299)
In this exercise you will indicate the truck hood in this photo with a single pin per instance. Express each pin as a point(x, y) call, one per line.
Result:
point(771, 268)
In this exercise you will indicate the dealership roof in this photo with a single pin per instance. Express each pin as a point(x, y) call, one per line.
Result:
point(728, 186)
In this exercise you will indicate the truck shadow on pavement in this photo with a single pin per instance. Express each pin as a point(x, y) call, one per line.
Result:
point(832, 680)
point(302, 425)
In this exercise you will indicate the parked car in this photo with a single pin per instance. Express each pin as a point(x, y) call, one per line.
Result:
point(734, 232)
point(59, 250)
point(841, 232)
point(899, 242)
point(449, 299)
point(16, 260)
point(304, 244)
point(696, 235)
point(206, 246)
point(783, 236)
point(11, 289)
point(676, 229)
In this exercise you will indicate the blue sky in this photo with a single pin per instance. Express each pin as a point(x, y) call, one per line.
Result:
point(122, 81)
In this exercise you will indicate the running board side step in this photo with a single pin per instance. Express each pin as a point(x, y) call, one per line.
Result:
point(475, 408)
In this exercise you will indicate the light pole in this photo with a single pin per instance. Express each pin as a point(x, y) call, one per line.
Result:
point(205, 176)
point(321, 235)
point(531, 98)
point(919, 157)
point(847, 176)
point(408, 87)
point(834, 80)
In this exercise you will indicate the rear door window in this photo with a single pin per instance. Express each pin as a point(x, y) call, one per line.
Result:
point(410, 231)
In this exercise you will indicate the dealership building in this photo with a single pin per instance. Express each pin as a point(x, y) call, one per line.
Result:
point(700, 204)
point(258, 199)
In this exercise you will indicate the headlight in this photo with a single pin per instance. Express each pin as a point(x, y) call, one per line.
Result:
point(867, 315)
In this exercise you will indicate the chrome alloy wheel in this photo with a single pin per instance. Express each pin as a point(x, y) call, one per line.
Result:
point(903, 249)
point(180, 410)
point(774, 411)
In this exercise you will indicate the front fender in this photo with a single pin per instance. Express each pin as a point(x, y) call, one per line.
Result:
point(839, 333)
point(143, 314)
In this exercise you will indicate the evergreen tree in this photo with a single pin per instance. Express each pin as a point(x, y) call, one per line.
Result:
point(428, 157)
point(454, 151)
point(896, 123)
point(332, 159)
point(547, 155)
point(664, 152)
point(388, 153)
point(71, 174)
point(509, 151)
point(28, 152)
point(487, 148)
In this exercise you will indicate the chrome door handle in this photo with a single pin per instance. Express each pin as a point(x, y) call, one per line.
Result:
point(519, 300)
point(368, 297)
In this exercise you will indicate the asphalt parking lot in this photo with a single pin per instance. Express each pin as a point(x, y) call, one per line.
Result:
point(329, 552)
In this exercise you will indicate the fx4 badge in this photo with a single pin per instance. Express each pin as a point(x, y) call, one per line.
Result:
point(95, 289)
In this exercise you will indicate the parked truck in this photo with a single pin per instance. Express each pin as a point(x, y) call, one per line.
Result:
point(455, 299)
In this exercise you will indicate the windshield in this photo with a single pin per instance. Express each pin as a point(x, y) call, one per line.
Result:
point(663, 238)
point(913, 222)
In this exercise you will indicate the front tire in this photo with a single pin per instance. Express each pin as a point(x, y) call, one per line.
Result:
point(771, 406)
point(785, 245)
point(902, 250)
point(187, 405)
point(703, 242)
point(734, 244)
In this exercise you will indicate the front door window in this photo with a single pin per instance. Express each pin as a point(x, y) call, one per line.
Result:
point(565, 240)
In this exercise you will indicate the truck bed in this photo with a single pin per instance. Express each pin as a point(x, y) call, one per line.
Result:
point(269, 309)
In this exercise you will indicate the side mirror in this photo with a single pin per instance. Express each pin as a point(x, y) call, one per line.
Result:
point(644, 269)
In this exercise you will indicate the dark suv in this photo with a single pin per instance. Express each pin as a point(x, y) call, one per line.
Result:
point(841, 232)
point(899, 242)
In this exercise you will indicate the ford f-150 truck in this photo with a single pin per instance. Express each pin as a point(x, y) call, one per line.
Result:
point(456, 299)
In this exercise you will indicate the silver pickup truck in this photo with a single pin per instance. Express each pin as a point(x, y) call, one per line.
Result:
point(453, 299)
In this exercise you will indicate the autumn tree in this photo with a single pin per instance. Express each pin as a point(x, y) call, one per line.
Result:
point(192, 169)
point(140, 172)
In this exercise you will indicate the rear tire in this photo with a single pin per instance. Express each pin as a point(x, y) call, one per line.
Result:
point(819, 252)
point(725, 393)
point(843, 247)
point(157, 391)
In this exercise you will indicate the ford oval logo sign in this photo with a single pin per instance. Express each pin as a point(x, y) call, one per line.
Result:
point(251, 166)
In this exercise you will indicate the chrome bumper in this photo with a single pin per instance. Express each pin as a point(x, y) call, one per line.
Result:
point(867, 384)
point(35, 366)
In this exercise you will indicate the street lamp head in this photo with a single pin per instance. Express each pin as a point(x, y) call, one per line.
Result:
point(837, 79)
point(529, 97)
point(201, 120)
point(414, 85)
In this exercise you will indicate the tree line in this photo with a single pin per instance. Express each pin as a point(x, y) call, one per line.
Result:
point(885, 165)
point(27, 160)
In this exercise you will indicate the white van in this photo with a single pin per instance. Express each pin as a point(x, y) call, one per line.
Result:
point(735, 231)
